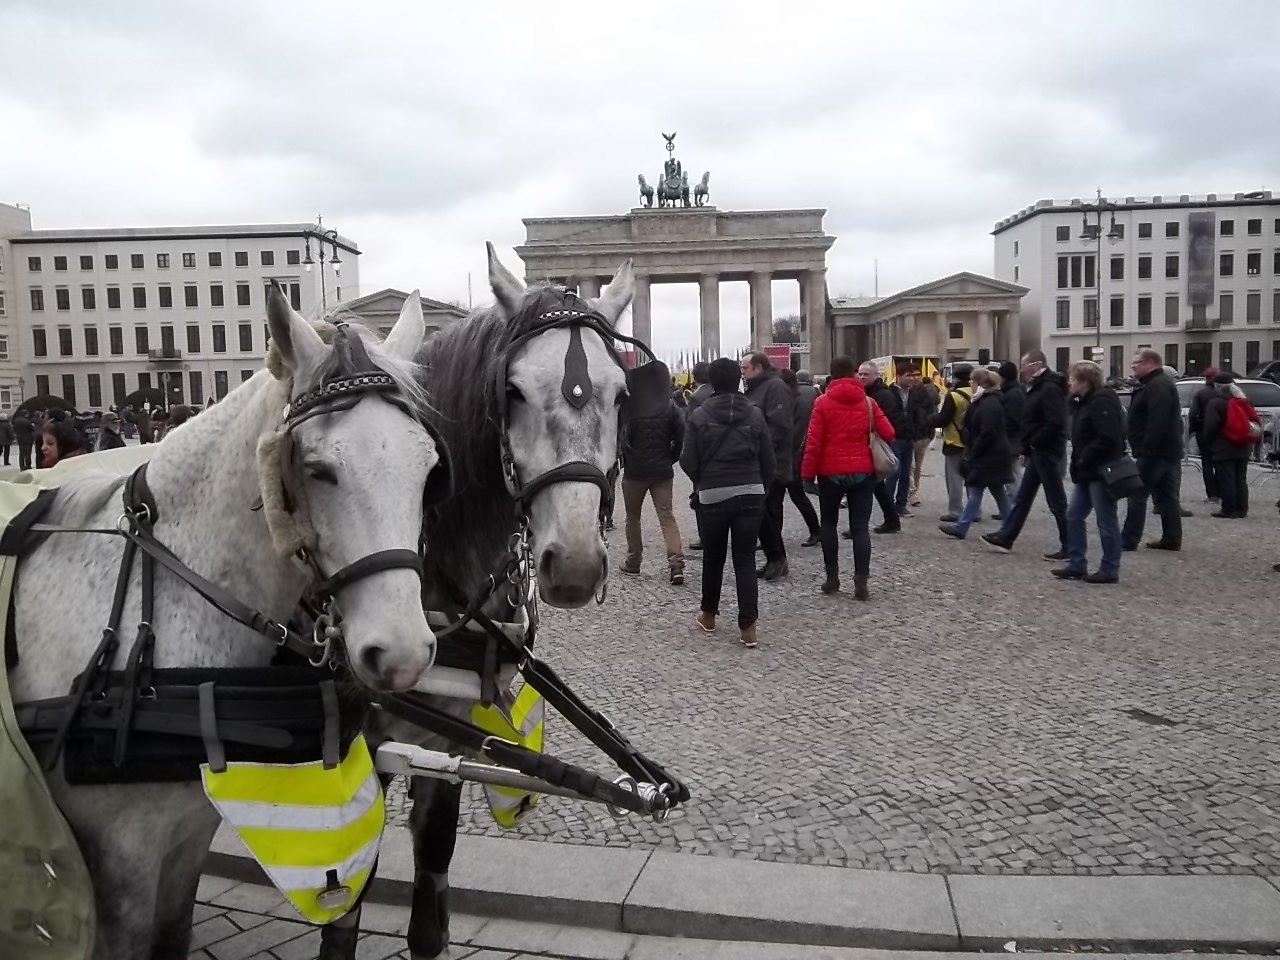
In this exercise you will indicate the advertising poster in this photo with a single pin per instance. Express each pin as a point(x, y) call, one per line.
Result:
point(1200, 257)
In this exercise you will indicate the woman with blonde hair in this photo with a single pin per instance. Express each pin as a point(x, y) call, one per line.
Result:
point(987, 462)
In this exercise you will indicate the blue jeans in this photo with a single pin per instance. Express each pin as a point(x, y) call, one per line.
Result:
point(1089, 498)
point(1042, 470)
point(974, 504)
point(900, 483)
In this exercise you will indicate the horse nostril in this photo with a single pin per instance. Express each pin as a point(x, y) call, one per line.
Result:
point(547, 562)
point(371, 659)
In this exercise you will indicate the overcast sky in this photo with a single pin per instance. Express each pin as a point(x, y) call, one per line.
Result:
point(422, 129)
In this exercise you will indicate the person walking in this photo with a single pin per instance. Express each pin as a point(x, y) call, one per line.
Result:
point(701, 392)
point(1229, 450)
point(988, 456)
point(1014, 396)
point(655, 433)
point(890, 400)
point(24, 431)
point(1043, 442)
point(1097, 438)
point(6, 437)
point(1195, 427)
point(922, 404)
point(1155, 437)
point(803, 394)
point(109, 437)
point(949, 417)
point(728, 454)
point(837, 454)
point(764, 388)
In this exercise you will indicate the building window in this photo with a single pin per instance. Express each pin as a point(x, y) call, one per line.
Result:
point(144, 381)
point(1117, 361)
point(337, 294)
point(242, 295)
point(111, 261)
point(1252, 354)
point(1063, 233)
point(1144, 268)
point(1171, 228)
point(1144, 311)
point(1144, 231)
point(268, 258)
point(1119, 231)
point(2, 307)
point(242, 258)
point(39, 344)
point(215, 295)
point(955, 331)
point(59, 263)
point(1064, 314)
point(1253, 263)
point(1275, 307)
point(142, 339)
point(188, 259)
point(37, 299)
point(1275, 344)
point(246, 375)
point(113, 298)
point(219, 384)
point(1015, 274)
point(1117, 311)
point(118, 389)
point(1171, 355)
point(166, 339)
point(1226, 308)
point(115, 341)
point(1076, 271)
point(62, 298)
point(1015, 251)
point(86, 262)
point(166, 296)
point(1117, 268)
point(162, 261)
point(1090, 312)
point(294, 257)
point(1171, 266)
point(42, 384)
point(1171, 311)
point(65, 348)
point(219, 338)
point(69, 388)
point(33, 264)
point(1253, 308)
point(95, 390)
point(1226, 228)
point(246, 338)
point(1226, 264)
point(1224, 356)
point(295, 293)
point(1254, 227)
point(89, 298)
point(193, 338)
point(191, 295)
point(1275, 263)
point(136, 261)
point(139, 297)
point(90, 341)
point(215, 258)
point(1062, 360)
point(197, 387)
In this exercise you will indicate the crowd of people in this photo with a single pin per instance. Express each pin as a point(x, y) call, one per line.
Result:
point(46, 437)
point(749, 435)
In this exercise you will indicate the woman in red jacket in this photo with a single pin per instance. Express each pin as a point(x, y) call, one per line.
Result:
point(837, 452)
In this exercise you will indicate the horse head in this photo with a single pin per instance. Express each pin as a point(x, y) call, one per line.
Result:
point(565, 387)
point(353, 468)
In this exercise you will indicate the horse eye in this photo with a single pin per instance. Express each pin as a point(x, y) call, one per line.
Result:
point(322, 471)
point(513, 394)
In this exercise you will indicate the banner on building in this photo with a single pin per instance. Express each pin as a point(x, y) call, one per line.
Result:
point(1200, 257)
point(779, 354)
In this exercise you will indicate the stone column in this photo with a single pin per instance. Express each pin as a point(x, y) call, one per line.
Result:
point(938, 347)
point(910, 345)
point(985, 340)
point(589, 288)
point(761, 309)
point(814, 286)
point(709, 303)
point(641, 321)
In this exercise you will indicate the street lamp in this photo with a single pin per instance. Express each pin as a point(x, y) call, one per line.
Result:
point(321, 234)
point(1093, 231)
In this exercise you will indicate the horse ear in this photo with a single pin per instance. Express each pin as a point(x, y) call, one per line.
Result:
point(405, 338)
point(617, 295)
point(508, 291)
point(299, 346)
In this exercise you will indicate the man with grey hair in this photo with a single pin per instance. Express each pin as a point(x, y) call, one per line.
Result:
point(891, 494)
point(1155, 437)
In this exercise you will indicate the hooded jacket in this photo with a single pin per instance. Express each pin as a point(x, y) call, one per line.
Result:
point(839, 439)
point(1044, 415)
point(655, 426)
point(774, 400)
point(1215, 418)
point(727, 444)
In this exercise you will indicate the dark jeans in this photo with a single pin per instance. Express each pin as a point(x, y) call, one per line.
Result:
point(1233, 485)
point(1162, 478)
point(775, 551)
point(795, 490)
point(24, 455)
point(830, 493)
point(900, 484)
point(1207, 469)
point(741, 517)
point(1042, 470)
point(884, 497)
point(1090, 498)
point(973, 505)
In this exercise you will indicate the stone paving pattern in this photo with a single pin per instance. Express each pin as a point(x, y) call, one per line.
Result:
point(972, 718)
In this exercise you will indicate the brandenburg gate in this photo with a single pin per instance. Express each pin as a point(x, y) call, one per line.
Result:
point(679, 241)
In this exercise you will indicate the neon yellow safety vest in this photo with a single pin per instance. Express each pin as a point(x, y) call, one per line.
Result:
point(960, 398)
point(314, 831)
point(522, 723)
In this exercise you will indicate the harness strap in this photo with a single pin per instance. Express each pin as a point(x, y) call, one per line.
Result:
point(373, 563)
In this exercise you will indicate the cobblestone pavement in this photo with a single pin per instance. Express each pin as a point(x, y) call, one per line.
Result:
point(977, 716)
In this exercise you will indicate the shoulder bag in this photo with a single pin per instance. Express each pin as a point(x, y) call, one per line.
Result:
point(882, 455)
point(1120, 477)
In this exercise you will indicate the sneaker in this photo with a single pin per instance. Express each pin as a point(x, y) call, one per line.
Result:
point(1068, 573)
point(1222, 515)
point(608, 525)
point(748, 637)
point(707, 621)
point(696, 545)
point(629, 571)
point(1058, 554)
point(914, 501)
point(1163, 545)
point(949, 517)
point(995, 540)
point(813, 541)
point(951, 530)
point(904, 512)
point(1100, 577)
point(886, 528)
point(677, 578)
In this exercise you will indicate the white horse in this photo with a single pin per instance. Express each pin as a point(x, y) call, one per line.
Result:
point(362, 475)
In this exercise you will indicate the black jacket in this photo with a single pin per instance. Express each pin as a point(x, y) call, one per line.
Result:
point(655, 426)
point(700, 396)
point(922, 404)
point(727, 444)
point(774, 400)
point(1015, 403)
point(1195, 415)
point(1044, 415)
point(987, 449)
point(1155, 418)
point(1097, 433)
point(802, 401)
point(109, 439)
point(1215, 418)
point(890, 401)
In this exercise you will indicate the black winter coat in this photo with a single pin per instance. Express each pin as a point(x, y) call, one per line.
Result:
point(728, 444)
point(1015, 404)
point(1195, 414)
point(890, 401)
point(1215, 418)
point(1044, 415)
point(109, 440)
point(922, 404)
point(653, 445)
point(987, 450)
point(1097, 433)
point(773, 398)
point(802, 399)
point(1155, 418)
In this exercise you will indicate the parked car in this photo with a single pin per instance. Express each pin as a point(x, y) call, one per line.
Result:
point(1263, 394)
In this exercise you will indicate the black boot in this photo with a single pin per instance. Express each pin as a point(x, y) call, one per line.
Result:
point(832, 583)
point(860, 588)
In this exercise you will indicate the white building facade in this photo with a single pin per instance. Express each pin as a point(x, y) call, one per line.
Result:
point(1197, 278)
point(13, 220)
point(99, 314)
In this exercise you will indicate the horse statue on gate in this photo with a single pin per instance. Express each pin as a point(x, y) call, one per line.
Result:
point(646, 192)
point(702, 191)
point(323, 461)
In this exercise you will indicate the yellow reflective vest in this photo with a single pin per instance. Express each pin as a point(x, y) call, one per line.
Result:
point(960, 397)
point(520, 721)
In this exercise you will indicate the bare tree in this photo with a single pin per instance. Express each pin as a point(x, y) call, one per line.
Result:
point(786, 329)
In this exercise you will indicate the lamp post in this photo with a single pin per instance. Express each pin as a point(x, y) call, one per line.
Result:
point(321, 235)
point(1093, 231)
